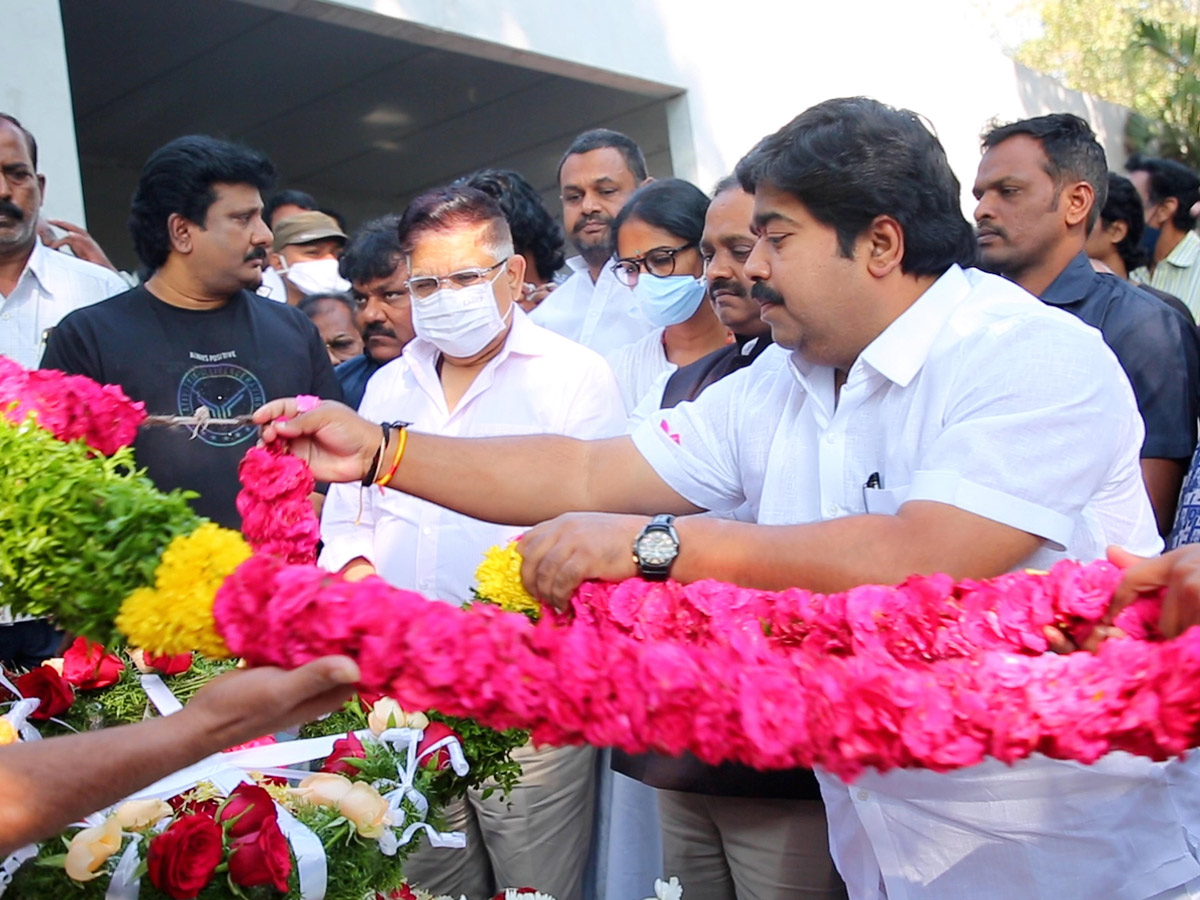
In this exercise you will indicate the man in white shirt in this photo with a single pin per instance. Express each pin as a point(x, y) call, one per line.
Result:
point(477, 367)
point(38, 286)
point(928, 418)
point(598, 173)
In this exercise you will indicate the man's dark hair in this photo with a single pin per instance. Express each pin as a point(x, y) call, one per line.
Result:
point(598, 139)
point(728, 183)
point(311, 304)
point(178, 178)
point(29, 140)
point(534, 230)
point(854, 159)
point(288, 197)
point(1072, 152)
point(373, 251)
point(1169, 178)
point(670, 204)
point(455, 206)
point(1124, 204)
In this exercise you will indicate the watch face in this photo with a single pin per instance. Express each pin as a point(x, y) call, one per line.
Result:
point(656, 548)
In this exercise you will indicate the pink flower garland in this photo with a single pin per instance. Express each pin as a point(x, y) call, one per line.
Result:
point(927, 674)
point(277, 515)
point(72, 407)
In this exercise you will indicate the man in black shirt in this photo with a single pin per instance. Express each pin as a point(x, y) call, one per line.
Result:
point(1040, 186)
point(193, 336)
point(374, 265)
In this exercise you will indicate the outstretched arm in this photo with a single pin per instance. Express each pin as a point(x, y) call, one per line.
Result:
point(49, 784)
point(513, 480)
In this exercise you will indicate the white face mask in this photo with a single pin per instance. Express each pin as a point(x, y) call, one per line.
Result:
point(316, 276)
point(460, 322)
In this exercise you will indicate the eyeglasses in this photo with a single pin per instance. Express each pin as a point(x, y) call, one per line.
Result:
point(426, 286)
point(659, 262)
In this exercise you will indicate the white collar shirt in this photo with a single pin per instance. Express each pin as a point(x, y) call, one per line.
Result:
point(52, 284)
point(539, 383)
point(603, 315)
point(981, 397)
point(638, 366)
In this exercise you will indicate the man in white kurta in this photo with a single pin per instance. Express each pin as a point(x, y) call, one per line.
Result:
point(917, 416)
point(477, 367)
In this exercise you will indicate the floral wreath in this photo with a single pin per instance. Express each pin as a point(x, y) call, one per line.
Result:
point(930, 673)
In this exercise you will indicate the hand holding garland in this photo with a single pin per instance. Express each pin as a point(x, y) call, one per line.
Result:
point(94, 769)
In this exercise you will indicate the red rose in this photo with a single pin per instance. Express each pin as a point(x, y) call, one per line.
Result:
point(434, 732)
point(181, 861)
point(89, 668)
point(48, 686)
point(404, 892)
point(368, 699)
point(261, 858)
point(248, 809)
point(167, 664)
point(349, 747)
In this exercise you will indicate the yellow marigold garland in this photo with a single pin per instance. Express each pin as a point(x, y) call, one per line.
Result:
point(176, 615)
point(498, 581)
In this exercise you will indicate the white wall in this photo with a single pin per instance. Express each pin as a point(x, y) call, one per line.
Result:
point(747, 68)
point(35, 88)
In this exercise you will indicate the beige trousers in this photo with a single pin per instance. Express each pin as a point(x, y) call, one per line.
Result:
point(737, 848)
point(539, 836)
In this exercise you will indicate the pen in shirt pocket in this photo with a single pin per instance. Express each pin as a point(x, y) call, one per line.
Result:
point(873, 483)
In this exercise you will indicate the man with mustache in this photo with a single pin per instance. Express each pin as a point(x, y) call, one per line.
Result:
point(192, 339)
point(598, 173)
point(38, 286)
point(919, 416)
point(374, 265)
point(1041, 185)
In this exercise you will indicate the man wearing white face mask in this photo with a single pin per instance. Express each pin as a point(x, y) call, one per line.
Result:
point(478, 366)
point(658, 255)
point(305, 253)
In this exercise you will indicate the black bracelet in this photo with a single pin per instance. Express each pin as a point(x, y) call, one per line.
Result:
point(369, 478)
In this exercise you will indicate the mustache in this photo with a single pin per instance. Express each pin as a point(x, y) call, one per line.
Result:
point(256, 253)
point(376, 329)
point(765, 294)
point(991, 229)
point(732, 285)
point(598, 218)
point(10, 209)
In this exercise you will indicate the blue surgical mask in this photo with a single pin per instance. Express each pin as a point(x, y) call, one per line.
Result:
point(670, 300)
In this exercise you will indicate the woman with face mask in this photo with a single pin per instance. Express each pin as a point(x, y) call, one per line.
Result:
point(658, 255)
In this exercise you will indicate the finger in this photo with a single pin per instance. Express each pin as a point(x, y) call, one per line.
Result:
point(1122, 558)
point(59, 243)
point(1059, 642)
point(66, 226)
point(1142, 578)
point(570, 575)
point(275, 409)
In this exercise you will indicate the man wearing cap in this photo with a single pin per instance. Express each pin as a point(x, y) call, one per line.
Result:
point(305, 253)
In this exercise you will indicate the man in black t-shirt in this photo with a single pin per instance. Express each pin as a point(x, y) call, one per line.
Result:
point(193, 335)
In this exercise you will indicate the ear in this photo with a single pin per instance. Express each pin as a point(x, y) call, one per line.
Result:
point(514, 274)
point(1117, 231)
point(1077, 200)
point(275, 260)
point(883, 243)
point(41, 180)
point(179, 233)
point(1169, 207)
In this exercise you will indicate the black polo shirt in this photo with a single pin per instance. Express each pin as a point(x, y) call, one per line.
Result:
point(353, 375)
point(1158, 349)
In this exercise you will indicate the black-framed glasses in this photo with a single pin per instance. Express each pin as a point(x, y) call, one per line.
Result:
point(425, 286)
point(659, 262)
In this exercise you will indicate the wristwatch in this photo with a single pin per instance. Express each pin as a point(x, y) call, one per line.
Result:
point(656, 547)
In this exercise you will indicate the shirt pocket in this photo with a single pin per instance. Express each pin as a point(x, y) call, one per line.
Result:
point(885, 501)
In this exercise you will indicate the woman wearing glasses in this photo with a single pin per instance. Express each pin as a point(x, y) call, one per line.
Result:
point(658, 255)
